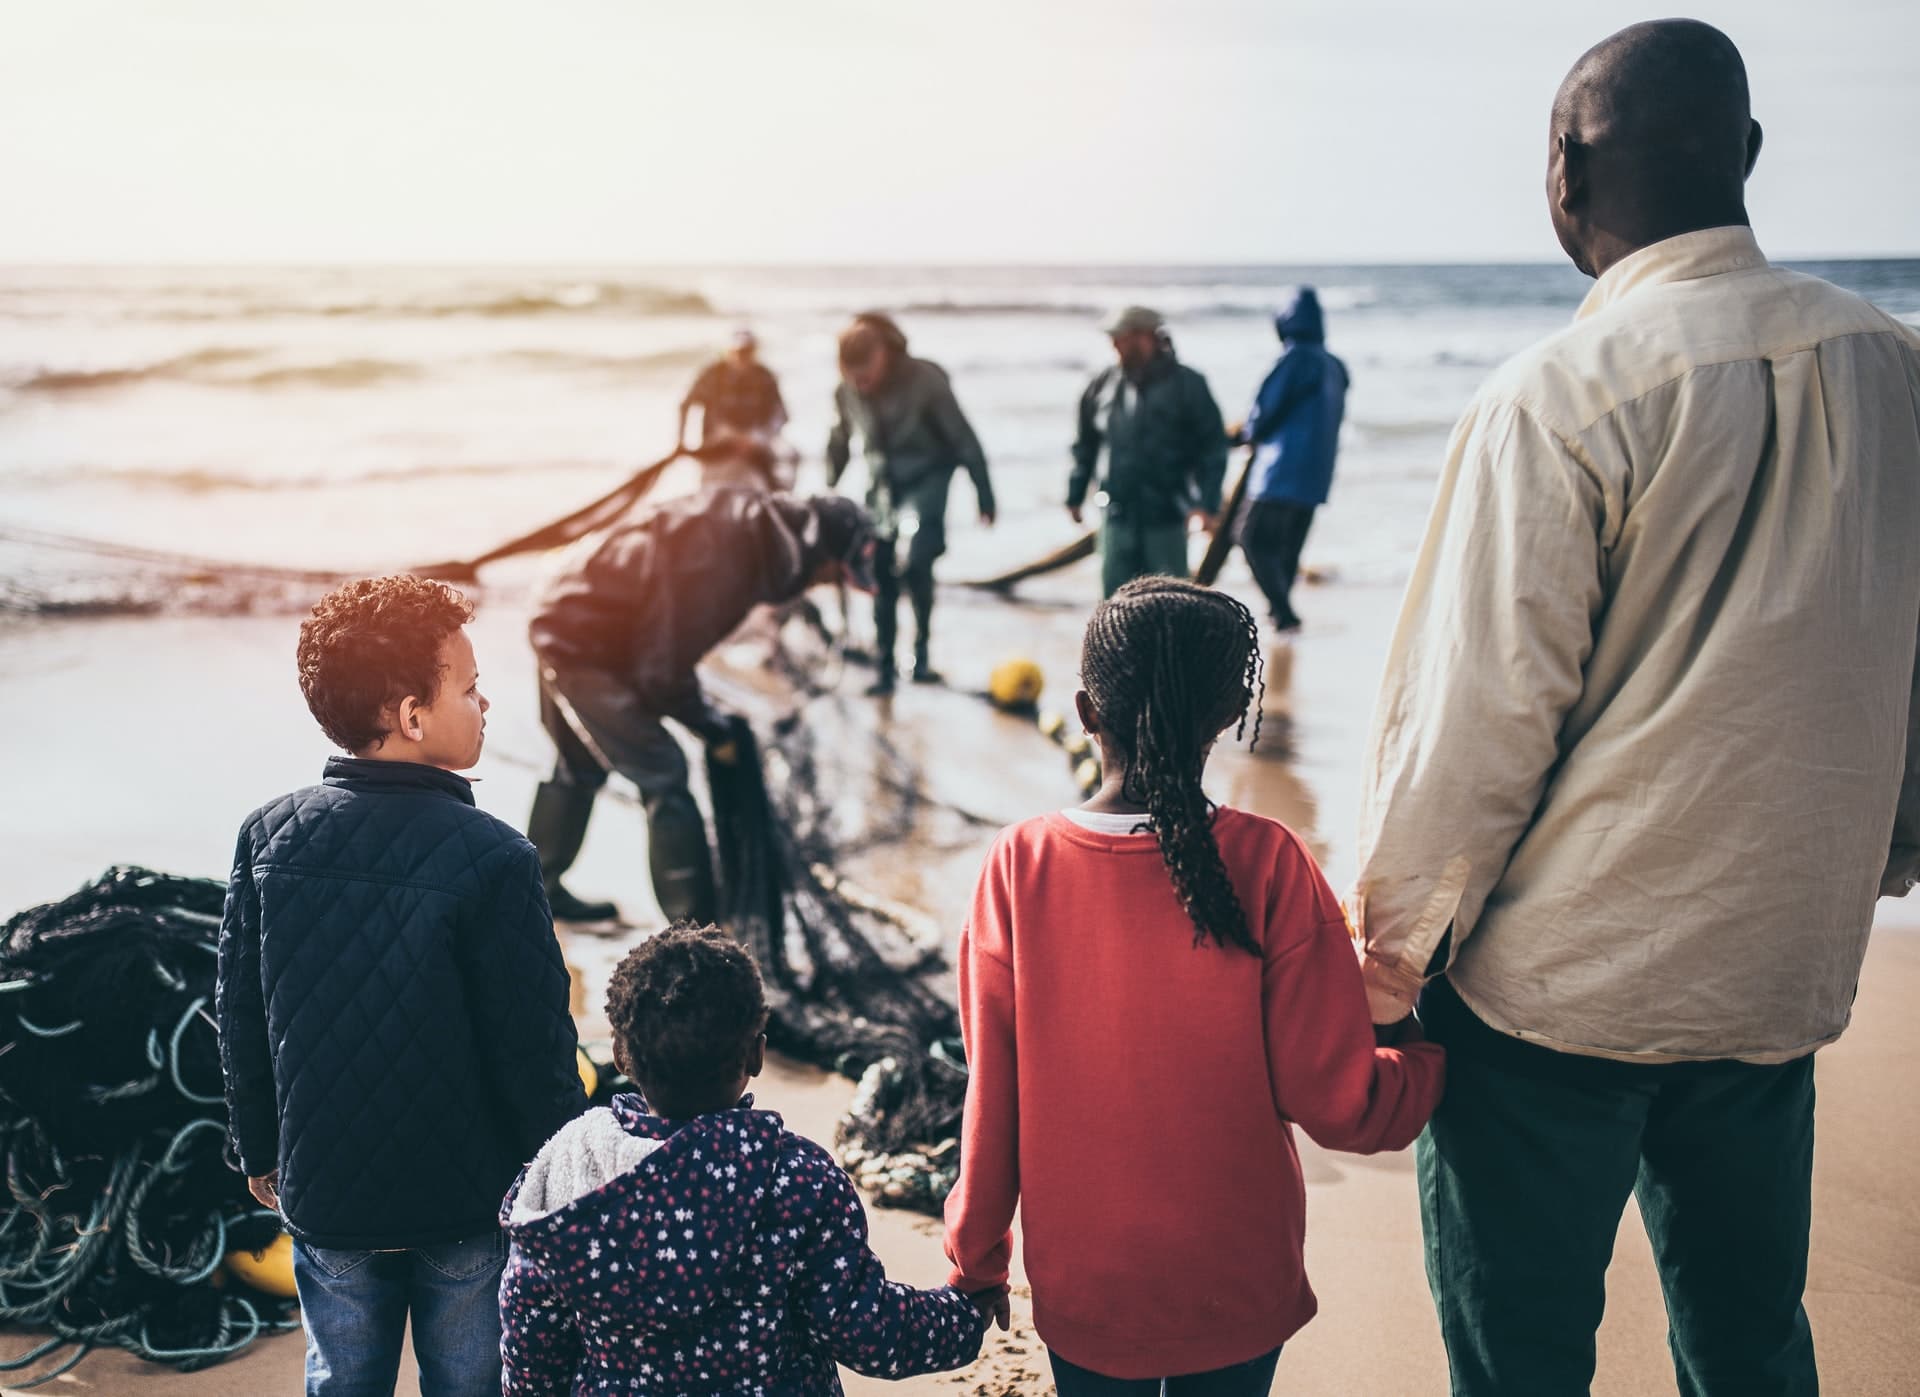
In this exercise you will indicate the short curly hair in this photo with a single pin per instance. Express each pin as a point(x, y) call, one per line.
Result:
point(687, 1005)
point(373, 643)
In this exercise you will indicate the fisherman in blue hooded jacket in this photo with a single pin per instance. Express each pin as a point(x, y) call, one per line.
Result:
point(1294, 430)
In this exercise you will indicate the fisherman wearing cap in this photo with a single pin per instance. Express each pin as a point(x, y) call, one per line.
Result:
point(620, 629)
point(914, 437)
point(741, 414)
point(1166, 452)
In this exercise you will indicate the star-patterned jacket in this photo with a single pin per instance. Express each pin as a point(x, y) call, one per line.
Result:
point(720, 1255)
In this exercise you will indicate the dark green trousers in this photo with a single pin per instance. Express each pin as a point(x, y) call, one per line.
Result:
point(1129, 550)
point(1524, 1174)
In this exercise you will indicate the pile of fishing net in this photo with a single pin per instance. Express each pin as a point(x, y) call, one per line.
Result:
point(846, 981)
point(121, 1206)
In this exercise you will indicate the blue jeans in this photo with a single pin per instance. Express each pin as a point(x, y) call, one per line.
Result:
point(1254, 1378)
point(356, 1304)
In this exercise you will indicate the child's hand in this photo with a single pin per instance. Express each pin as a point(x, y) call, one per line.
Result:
point(266, 1189)
point(993, 1305)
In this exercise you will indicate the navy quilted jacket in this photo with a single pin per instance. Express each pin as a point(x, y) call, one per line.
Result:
point(393, 1010)
point(718, 1257)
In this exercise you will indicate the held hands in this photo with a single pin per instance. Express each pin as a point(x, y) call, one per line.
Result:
point(994, 1306)
point(265, 1189)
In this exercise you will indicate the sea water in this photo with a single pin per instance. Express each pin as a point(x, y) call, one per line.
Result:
point(365, 418)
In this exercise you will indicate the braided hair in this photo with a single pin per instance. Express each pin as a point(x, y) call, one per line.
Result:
point(1169, 665)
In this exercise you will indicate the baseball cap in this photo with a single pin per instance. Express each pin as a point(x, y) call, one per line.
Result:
point(1135, 318)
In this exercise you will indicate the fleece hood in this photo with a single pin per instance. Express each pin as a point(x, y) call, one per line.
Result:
point(660, 1211)
point(1299, 318)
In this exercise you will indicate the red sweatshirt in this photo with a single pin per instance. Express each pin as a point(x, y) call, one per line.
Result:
point(1135, 1094)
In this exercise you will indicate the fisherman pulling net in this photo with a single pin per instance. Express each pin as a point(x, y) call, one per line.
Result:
point(121, 1207)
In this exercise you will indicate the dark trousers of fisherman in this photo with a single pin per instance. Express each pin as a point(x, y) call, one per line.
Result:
point(1272, 533)
point(600, 724)
point(917, 581)
point(1525, 1172)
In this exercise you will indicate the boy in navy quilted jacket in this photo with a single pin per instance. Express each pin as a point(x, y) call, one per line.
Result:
point(688, 1245)
point(393, 1008)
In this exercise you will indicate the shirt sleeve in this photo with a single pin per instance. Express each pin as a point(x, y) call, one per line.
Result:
point(1487, 659)
point(1328, 1076)
point(875, 1326)
point(979, 1211)
point(839, 438)
point(1903, 860)
point(1291, 381)
point(1210, 444)
point(518, 989)
point(539, 1338)
point(1086, 444)
point(961, 440)
point(246, 1059)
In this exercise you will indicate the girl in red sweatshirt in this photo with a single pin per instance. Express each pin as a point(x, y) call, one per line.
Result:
point(1154, 992)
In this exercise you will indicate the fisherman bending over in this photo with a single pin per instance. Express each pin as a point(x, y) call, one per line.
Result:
point(619, 630)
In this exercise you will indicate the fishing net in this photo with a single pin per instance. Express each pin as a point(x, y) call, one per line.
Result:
point(847, 984)
point(120, 1204)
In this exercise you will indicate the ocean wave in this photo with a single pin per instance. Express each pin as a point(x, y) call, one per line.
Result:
point(560, 299)
point(1397, 431)
point(620, 365)
point(201, 480)
point(179, 366)
point(1217, 302)
point(217, 368)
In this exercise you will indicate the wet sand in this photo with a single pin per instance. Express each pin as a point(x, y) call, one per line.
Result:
point(148, 740)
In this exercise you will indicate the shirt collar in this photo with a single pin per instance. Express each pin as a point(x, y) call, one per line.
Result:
point(1706, 252)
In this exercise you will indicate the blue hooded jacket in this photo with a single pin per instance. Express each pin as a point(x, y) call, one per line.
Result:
point(1294, 427)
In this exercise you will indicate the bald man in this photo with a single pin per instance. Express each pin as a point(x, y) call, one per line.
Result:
point(1648, 751)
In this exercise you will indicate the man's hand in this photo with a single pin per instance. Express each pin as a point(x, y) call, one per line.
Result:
point(987, 517)
point(1075, 513)
point(994, 1305)
point(1208, 523)
point(266, 1189)
point(726, 751)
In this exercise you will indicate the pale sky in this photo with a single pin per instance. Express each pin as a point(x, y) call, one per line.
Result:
point(638, 131)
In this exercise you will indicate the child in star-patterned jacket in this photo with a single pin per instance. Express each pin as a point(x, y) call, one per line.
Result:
point(687, 1244)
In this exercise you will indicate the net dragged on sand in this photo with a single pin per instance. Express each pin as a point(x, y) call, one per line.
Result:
point(837, 999)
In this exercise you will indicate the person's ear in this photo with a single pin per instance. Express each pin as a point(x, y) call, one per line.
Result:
point(756, 1057)
point(406, 719)
point(1753, 145)
point(1089, 715)
point(1569, 173)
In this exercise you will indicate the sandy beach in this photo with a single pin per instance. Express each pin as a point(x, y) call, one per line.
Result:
point(147, 740)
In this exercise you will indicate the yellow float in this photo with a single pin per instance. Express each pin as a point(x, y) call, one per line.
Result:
point(1015, 683)
point(589, 1074)
point(269, 1270)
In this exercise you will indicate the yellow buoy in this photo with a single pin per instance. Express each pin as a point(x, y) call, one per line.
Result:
point(1087, 774)
point(269, 1270)
point(589, 1074)
point(1079, 746)
point(1015, 683)
point(1053, 725)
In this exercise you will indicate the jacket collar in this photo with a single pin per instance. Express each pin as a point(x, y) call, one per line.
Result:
point(1687, 257)
point(637, 1118)
point(361, 774)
